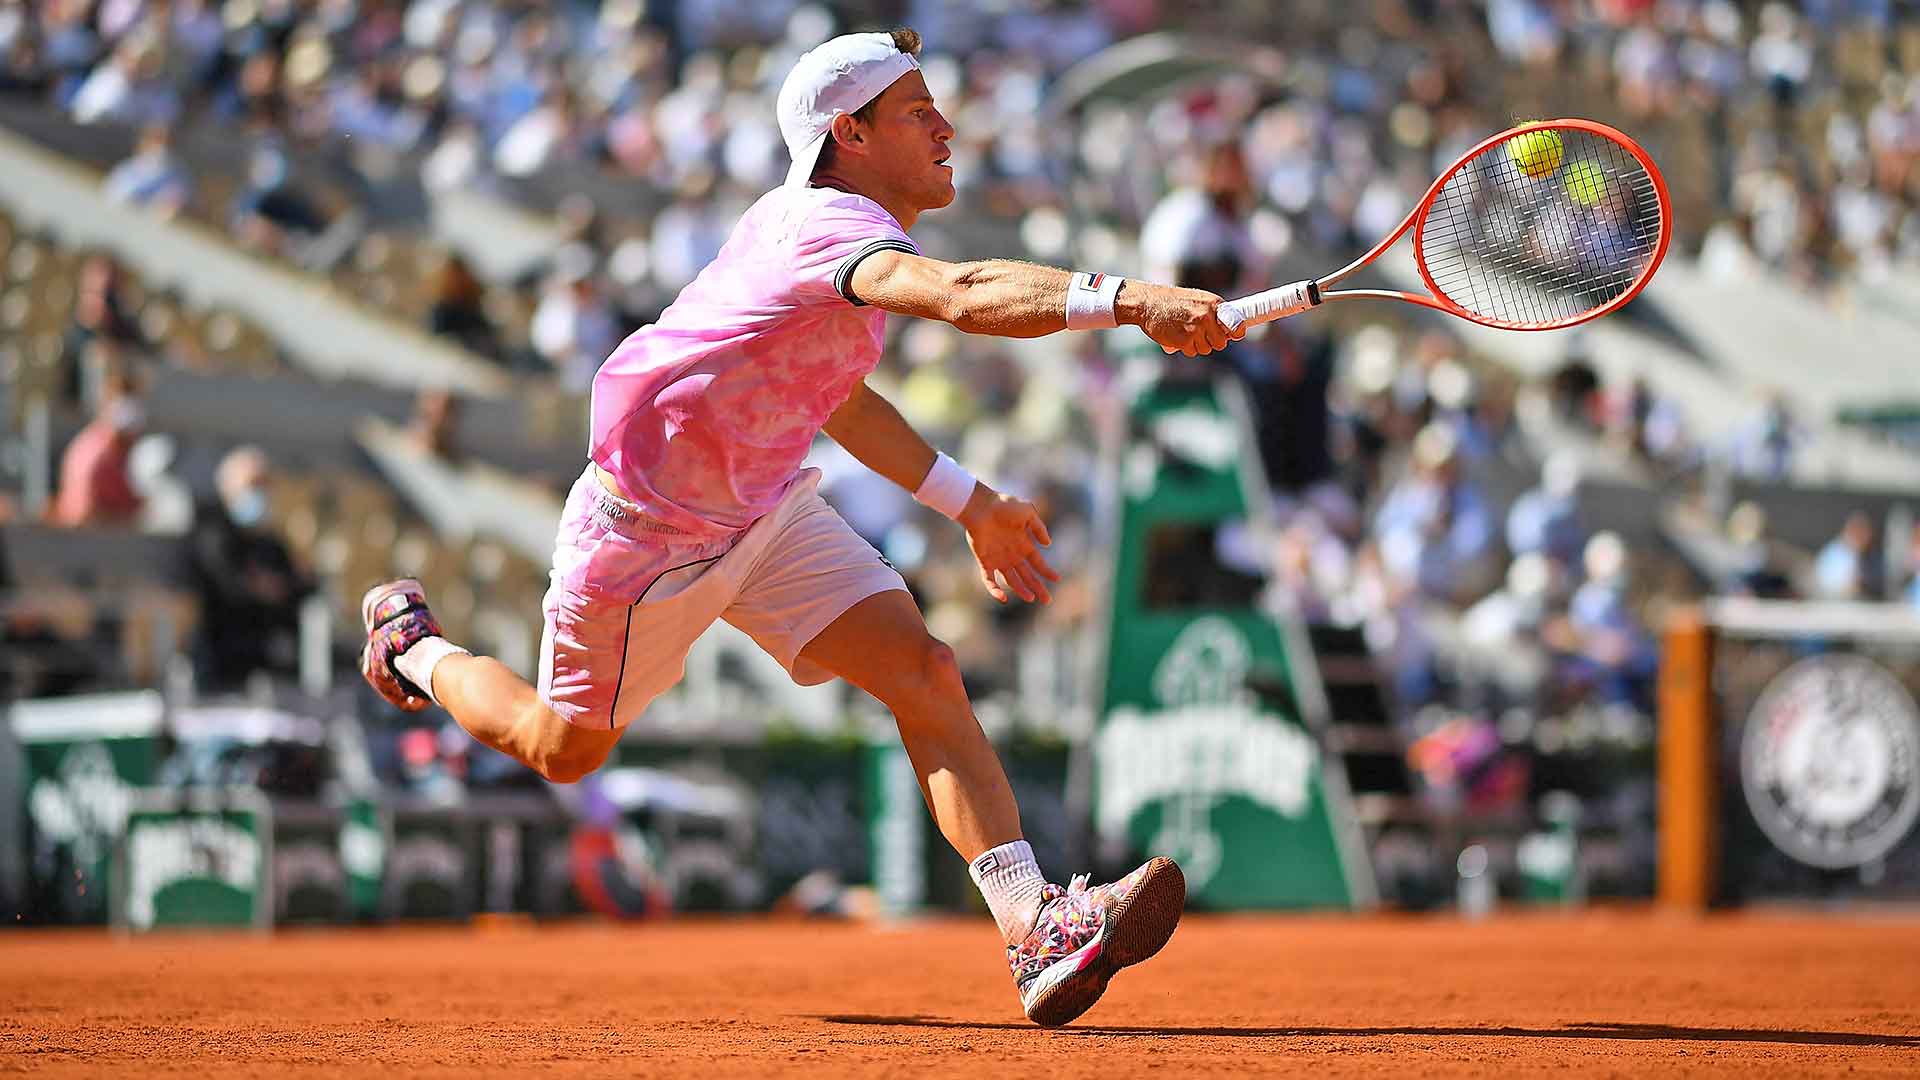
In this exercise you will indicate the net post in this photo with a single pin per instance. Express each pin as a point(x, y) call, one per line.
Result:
point(1689, 804)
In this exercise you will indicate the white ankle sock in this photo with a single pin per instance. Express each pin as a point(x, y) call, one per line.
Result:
point(1010, 881)
point(418, 662)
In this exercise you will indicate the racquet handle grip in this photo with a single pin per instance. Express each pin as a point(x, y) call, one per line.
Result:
point(1264, 307)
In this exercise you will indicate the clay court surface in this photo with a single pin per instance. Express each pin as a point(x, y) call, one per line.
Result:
point(1607, 993)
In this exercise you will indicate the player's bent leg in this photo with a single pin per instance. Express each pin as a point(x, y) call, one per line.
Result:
point(495, 705)
point(882, 646)
point(500, 709)
point(625, 604)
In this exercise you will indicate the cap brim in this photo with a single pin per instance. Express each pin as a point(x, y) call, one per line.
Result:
point(801, 171)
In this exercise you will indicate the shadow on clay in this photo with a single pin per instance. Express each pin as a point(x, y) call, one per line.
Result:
point(1637, 1032)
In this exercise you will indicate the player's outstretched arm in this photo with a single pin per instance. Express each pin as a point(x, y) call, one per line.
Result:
point(1005, 533)
point(1006, 298)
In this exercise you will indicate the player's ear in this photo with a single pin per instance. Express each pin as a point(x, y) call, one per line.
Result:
point(846, 131)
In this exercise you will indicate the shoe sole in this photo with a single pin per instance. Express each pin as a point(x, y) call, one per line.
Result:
point(367, 600)
point(379, 592)
point(1138, 927)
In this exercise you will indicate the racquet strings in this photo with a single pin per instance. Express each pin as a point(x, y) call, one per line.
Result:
point(1531, 250)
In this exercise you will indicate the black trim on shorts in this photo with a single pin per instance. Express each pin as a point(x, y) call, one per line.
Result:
point(656, 578)
point(843, 277)
point(626, 636)
point(620, 680)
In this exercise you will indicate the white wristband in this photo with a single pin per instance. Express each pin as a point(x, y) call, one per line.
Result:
point(946, 488)
point(1090, 301)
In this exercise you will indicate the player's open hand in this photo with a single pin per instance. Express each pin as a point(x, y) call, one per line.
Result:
point(1006, 535)
point(1179, 320)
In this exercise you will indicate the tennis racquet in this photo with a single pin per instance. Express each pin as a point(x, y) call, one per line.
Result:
point(1540, 227)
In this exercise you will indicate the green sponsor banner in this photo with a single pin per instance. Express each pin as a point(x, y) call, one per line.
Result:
point(896, 828)
point(85, 756)
point(1200, 753)
point(363, 855)
point(195, 858)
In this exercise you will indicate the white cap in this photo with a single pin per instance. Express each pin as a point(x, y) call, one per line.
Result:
point(833, 78)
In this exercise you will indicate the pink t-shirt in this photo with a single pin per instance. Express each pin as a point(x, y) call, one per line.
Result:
point(705, 416)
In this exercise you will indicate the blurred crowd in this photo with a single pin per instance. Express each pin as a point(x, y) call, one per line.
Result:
point(1421, 516)
point(1795, 127)
point(1407, 501)
point(1807, 116)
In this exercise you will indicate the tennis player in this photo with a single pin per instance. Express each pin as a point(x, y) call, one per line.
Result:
point(695, 507)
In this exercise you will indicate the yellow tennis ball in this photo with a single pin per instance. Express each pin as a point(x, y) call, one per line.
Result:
point(1586, 182)
point(1537, 153)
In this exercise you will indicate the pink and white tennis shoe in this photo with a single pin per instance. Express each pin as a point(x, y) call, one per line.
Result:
point(1084, 935)
point(396, 617)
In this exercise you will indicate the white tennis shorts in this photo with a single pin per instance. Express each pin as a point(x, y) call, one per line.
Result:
point(628, 596)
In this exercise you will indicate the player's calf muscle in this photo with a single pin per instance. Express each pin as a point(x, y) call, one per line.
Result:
point(557, 750)
point(503, 711)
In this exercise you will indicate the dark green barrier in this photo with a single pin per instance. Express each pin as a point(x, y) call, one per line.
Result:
point(854, 808)
point(235, 857)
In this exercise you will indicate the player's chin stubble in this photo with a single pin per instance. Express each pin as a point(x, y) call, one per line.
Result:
point(941, 192)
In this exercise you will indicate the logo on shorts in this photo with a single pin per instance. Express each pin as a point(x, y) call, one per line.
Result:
point(1828, 761)
point(612, 508)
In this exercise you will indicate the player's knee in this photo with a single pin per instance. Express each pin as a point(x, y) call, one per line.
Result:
point(938, 670)
point(567, 753)
point(570, 763)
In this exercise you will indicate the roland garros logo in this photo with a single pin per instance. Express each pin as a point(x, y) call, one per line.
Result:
point(1828, 761)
